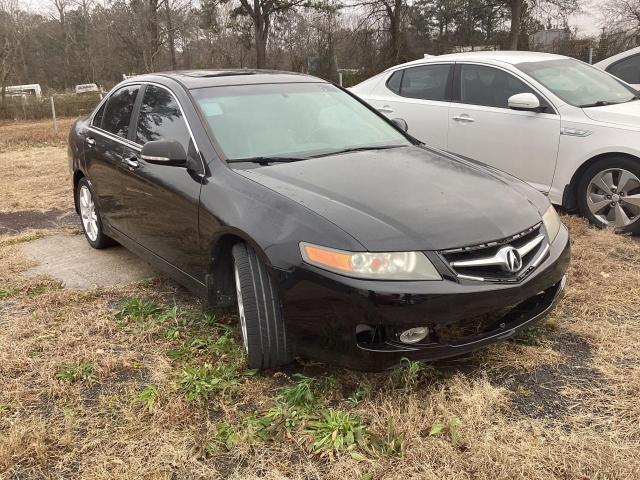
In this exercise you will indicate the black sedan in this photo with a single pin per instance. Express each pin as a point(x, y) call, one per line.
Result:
point(339, 236)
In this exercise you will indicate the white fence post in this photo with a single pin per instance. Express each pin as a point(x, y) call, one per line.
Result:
point(53, 113)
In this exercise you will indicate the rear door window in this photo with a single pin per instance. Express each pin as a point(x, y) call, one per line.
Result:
point(428, 82)
point(161, 118)
point(117, 114)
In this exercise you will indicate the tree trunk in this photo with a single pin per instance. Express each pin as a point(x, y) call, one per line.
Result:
point(261, 29)
point(516, 17)
point(171, 40)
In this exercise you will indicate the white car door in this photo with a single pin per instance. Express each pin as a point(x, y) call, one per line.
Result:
point(482, 127)
point(418, 95)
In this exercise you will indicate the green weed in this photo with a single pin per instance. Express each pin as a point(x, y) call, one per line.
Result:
point(136, 309)
point(298, 394)
point(71, 373)
point(450, 429)
point(8, 292)
point(147, 398)
point(198, 383)
point(336, 431)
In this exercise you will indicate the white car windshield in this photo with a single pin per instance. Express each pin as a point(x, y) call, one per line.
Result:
point(577, 83)
point(294, 120)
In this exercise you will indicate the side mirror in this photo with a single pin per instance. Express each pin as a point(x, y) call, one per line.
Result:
point(401, 123)
point(164, 152)
point(523, 101)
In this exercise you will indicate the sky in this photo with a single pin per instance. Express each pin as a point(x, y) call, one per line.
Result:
point(586, 23)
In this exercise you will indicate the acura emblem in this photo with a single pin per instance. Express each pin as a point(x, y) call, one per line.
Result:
point(513, 260)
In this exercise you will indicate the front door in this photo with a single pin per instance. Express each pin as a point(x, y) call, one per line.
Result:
point(106, 147)
point(482, 127)
point(161, 202)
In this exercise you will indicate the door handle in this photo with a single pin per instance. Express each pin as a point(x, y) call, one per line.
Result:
point(385, 109)
point(132, 162)
point(463, 118)
point(90, 141)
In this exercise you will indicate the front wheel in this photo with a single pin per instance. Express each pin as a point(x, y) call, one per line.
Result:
point(261, 323)
point(609, 194)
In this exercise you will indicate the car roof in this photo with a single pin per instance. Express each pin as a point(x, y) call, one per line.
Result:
point(609, 60)
point(211, 78)
point(495, 56)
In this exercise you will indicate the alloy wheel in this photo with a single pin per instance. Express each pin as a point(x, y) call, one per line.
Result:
point(241, 314)
point(88, 213)
point(613, 197)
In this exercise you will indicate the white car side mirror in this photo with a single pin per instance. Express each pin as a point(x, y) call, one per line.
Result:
point(523, 101)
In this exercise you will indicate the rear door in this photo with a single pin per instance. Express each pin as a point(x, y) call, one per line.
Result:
point(482, 126)
point(420, 95)
point(106, 148)
point(161, 202)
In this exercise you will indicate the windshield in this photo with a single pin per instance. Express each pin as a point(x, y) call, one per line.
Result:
point(577, 83)
point(297, 120)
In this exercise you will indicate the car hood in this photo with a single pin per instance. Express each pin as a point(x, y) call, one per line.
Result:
point(406, 199)
point(627, 114)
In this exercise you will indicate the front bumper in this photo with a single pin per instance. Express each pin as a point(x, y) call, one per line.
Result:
point(324, 311)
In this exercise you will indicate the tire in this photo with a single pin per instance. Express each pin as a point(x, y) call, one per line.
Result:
point(90, 216)
point(603, 190)
point(261, 323)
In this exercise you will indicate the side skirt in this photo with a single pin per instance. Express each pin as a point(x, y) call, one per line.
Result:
point(197, 288)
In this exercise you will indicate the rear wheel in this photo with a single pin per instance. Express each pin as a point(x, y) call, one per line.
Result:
point(609, 194)
point(90, 216)
point(261, 323)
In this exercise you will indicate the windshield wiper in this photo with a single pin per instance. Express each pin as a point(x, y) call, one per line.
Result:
point(357, 149)
point(599, 103)
point(604, 103)
point(266, 160)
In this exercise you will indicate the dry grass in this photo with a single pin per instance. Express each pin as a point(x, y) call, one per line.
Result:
point(562, 403)
point(35, 179)
point(33, 133)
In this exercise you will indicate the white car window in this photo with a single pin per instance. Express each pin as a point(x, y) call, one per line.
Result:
point(428, 82)
point(491, 87)
point(577, 83)
point(627, 69)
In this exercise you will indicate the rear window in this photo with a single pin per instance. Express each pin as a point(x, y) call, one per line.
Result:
point(627, 69)
point(428, 82)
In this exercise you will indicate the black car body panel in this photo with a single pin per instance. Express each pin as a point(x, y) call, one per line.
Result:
point(413, 198)
point(391, 200)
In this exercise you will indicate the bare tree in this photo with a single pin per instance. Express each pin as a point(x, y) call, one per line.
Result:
point(261, 13)
point(12, 31)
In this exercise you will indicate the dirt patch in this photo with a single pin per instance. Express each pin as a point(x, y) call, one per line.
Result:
point(543, 393)
point(16, 222)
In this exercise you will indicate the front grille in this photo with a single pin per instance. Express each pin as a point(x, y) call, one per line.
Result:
point(495, 261)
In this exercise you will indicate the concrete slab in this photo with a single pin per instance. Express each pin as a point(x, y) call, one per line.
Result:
point(70, 259)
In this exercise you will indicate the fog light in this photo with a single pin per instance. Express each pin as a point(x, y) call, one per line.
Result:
point(414, 335)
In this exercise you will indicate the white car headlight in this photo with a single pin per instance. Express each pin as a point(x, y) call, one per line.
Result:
point(552, 223)
point(371, 265)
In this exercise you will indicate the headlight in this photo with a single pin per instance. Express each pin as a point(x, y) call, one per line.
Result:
point(552, 222)
point(378, 266)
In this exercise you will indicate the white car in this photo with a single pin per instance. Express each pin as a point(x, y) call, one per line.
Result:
point(569, 129)
point(625, 65)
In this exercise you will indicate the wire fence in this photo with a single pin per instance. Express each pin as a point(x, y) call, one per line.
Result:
point(30, 107)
